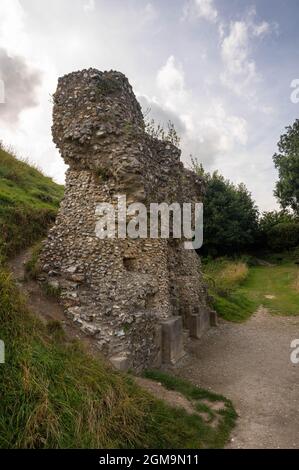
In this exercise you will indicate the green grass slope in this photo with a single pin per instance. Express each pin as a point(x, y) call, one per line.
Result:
point(238, 290)
point(28, 203)
point(274, 287)
point(224, 278)
point(54, 395)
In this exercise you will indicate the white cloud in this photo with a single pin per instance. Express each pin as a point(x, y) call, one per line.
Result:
point(213, 132)
point(240, 73)
point(153, 109)
point(20, 87)
point(264, 28)
point(261, 29)
point(207, 129)
point(240, 70)
point(89, 6)
point(200, 9)
point(150, 12)
point(12, 17)
point(171, 82)
point(23, 63)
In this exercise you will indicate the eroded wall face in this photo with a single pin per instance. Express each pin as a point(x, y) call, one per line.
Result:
point(118, 291)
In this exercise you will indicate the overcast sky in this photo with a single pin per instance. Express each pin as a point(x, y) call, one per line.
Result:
point(220, 69)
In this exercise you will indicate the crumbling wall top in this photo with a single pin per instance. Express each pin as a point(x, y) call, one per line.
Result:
point(90, 105)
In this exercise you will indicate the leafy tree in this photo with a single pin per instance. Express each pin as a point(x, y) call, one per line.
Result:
point(283, 236)
point(230, 215)
point(272, 218)
point(287, 163)
point(279, 230)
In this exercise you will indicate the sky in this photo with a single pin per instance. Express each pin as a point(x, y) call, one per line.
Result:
point(221, 70)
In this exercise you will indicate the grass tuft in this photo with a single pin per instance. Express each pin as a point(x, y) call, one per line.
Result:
point(225, 275)
point(51, 290)
point(213, 437)
point(224, 278)
point(32, 268)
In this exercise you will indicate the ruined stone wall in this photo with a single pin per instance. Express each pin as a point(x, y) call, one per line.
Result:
point(128, 295)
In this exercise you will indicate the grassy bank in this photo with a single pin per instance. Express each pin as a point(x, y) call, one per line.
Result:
point(224, 278)
point(238, 289)
point(215, 437)
point(54, 395)
point(275, 287)
point(28, 203)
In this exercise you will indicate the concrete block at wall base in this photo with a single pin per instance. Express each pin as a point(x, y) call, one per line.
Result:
point(199, 323)
point(157, 359)
point(172, 340)
point(194, 326)
point(213, 318)
point(120, 362)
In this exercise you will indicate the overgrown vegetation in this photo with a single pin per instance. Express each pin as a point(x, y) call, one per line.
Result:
point(51, 290)
point(214, 437)
point(28, 203)
point(239, 288)
point(278, 231)
point(158, 131)
point(54, 395)
point(224, 278)
point(103, 174)
point(32, 267)
point(225, 275)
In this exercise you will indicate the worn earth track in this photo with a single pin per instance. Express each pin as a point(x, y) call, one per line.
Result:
point(45, 307)
point(250, 364)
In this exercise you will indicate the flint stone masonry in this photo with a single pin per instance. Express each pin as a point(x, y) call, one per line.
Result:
point(120, 292)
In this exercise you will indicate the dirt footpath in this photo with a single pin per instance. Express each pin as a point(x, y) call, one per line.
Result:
point(45, 307)
point(250, 364)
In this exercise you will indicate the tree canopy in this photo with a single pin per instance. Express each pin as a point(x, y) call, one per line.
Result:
point(287, 163)
point(278, 230)
point(230, 215)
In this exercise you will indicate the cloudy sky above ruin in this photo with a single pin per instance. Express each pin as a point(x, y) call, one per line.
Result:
point(220, 69)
